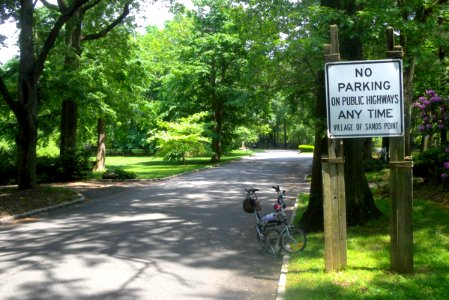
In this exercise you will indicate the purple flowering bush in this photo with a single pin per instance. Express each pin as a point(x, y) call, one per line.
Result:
point(445, 172)
point(432, 112)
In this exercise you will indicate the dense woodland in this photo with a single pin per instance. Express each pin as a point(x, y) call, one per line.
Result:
point(219, 76)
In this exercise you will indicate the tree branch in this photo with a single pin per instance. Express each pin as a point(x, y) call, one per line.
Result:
point(62, 5)
point(424, 12)
point(111, 26)
point(90, 5)
point(309, 66)
point(66, 15)
point(7, 96)
point(49, 5)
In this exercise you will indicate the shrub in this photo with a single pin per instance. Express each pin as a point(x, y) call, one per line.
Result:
point(305, 148)
point(64, 168)
point(430, 163)
point(176, 140)
point(119, 174)
point(8, 170)
point(175, 157)
point(76, 167)
point(374, 164)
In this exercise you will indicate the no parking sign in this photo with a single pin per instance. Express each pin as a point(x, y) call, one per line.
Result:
point(364, 98)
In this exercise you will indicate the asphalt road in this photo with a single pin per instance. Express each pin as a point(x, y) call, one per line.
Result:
point(183, 238)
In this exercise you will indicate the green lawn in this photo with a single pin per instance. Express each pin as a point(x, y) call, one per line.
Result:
point(146, 167)
point(367, 275)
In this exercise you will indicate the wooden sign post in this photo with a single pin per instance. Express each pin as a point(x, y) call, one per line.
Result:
point(401, 191)
point(334, 202)
point(369, 116)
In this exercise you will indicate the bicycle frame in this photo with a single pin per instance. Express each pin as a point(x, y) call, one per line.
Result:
point(265, 232)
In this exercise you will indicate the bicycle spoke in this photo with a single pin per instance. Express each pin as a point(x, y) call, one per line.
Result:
point(293, 240)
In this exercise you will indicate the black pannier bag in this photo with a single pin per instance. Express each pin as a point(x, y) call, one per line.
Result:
point(249, 203)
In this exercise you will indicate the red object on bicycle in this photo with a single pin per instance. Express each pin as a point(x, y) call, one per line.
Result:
point(277, 207)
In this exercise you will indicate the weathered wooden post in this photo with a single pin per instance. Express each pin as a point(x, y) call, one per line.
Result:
point(401, 191)
point(334, 205)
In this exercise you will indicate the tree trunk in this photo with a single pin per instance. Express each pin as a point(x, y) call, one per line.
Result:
point(359, 199)
point(367, 148)
point(69, 120)
point(69, 111)
point(360, 204)
point(285, 133)
point(312, 219)
point(26, 140)
point(26, 108)
point(386, 146)
point(218, 131)
point(101, 146)
point(275, 135)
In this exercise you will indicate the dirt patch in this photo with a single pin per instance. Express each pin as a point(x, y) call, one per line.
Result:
point(14, 201)
point(434, 192)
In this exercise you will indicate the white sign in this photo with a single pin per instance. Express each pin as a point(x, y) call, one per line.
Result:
point(364, 98)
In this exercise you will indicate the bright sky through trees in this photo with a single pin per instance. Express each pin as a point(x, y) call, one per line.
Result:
point(156, 14)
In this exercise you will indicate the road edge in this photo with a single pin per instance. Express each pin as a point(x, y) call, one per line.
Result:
point(9, 219)
point(282, 282)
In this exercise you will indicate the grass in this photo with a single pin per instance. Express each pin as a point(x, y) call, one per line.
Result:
point(368, 275)
point(155, 167)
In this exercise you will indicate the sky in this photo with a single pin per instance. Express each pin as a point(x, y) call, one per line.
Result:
point(156, 14)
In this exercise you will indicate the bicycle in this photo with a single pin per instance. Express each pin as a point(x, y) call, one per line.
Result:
point(293, 239)
point(266, 233)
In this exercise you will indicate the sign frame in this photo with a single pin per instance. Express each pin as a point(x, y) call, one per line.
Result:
point(368, 103)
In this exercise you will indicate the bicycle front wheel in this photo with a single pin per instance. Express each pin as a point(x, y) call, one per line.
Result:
point(293, 240)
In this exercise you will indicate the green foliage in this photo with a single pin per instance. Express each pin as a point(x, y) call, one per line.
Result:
point(256, 62)
point(175, 156)
point(118, 173)
point(8, 169)
point(306, 148)
point(64, 168)
point(374, 164)
point(204, 67)
point(176, 140)
point(430, 163)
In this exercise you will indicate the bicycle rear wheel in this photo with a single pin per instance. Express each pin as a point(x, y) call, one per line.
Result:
point(271, 242)
point(293, 239)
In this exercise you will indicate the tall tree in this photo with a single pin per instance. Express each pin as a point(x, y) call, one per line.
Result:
point(80, 29)
point(416, 16)
point(206, 70)
point(359, 199)
point(24, 105)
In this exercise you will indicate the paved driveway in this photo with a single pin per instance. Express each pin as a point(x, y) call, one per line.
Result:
point(183, 238)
